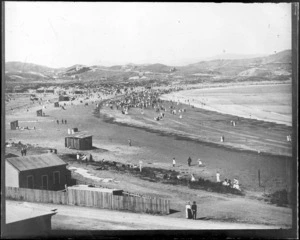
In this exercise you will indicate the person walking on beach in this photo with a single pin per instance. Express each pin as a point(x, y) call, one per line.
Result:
point(189, 161)
point(194, 210)
point(57, 122)
point(174, 162)
point(129, 142)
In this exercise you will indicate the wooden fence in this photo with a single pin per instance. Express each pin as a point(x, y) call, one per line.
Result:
point(91, 198)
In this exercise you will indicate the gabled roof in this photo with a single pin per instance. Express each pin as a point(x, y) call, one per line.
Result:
point(81, 135)
point(35, 161)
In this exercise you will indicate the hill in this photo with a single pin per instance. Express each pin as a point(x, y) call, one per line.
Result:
point(270, 67)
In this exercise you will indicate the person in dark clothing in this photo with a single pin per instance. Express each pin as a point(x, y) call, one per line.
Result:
point(65, 121)
point(57, 121)
point(189, 161)
point(62, 121)
point(194, 210)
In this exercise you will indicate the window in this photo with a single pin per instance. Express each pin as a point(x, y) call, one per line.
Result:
point(44, 182)
point(56, 178)
point(30, 182)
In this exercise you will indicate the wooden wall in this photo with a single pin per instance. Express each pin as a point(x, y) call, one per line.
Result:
point(89, 198)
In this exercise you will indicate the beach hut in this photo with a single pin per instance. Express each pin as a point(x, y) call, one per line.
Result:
point(14, 125)
point(63, 98)
point(50, 90)
point(40, 90)
point(78, 91)
point(79, 142)
point(39, 113)
point(56, 104)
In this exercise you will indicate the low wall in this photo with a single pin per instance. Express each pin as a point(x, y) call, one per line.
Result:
point(89, 198)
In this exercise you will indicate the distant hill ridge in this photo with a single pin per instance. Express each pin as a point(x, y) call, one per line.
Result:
point(226, 67)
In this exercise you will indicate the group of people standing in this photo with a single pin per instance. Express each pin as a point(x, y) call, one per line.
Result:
point(191, 211)
point(23, 151)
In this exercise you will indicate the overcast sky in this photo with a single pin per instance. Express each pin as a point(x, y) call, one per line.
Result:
point(60, 34)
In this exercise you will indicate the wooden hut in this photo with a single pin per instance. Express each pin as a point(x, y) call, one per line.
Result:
point(78, 91)
point(79, 142)
point(50, 90)
point(63, 98)
point(40, 90)
point(56, 104)
point(39, 113)
point(14, 125)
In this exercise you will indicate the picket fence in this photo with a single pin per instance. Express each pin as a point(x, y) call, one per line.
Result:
point(89, 198)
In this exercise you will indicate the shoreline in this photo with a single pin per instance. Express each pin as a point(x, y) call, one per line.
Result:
point(172, 133)
point(178, 97)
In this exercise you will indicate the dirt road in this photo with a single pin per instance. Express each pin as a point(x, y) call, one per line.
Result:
point(84, 218)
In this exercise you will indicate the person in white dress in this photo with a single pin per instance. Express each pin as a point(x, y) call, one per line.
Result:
point(218, 177)
point(187, 209)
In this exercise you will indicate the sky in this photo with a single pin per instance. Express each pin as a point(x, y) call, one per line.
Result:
point(61, 34)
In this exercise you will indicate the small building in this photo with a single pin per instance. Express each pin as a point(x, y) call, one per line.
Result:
point(21, 221)
point(56, 104)
point(14, 125)
point(63, 98)
point(18, 89)
point(40, 90)
point(50, 90)
point(78, 91)
point(45, 171)
point(39, 113)
point(79, 142)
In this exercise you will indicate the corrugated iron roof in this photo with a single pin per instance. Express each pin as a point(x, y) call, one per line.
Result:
point(81, 135)
point(35, 161)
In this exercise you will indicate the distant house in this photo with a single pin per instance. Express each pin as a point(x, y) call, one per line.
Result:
point(56, 104)
point(46, 171)
point(14, 125)
point(39, 113)
point(18, 89)
point(40, 90)
point(79, 142)
point(78, 91)
point(50, 90)
point(63, 98)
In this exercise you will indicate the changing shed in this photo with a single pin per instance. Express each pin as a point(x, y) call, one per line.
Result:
point(63, 98)
point(39, 113)
point(14, 125)
point(79, 142)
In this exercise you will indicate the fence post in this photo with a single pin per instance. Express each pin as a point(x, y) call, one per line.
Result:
point(259, 177)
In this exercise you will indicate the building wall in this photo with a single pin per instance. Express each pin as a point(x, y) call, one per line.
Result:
point(65, 176)
point(79, 143)
point(85, 143)
point(11, 175)
point(32, 227)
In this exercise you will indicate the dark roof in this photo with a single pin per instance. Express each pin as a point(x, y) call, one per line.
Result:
point(81, 135)
point(35, 161)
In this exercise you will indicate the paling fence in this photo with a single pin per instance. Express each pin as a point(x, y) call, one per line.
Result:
point(89, 198)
